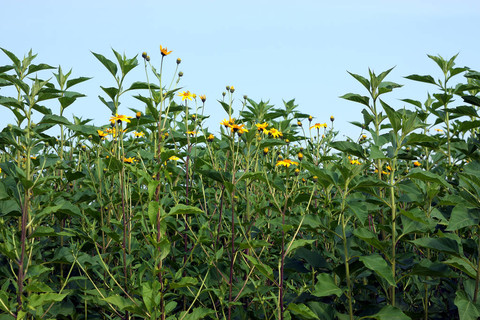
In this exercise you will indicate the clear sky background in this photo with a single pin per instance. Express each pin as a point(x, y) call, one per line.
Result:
point(269, 50)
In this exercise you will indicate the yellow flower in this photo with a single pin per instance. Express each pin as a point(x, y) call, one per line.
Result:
point(265, 150)
point(310, 118)
point(275, 133)
point(319, 126)
point(186, 95)
point(332, 118)
point(300, 156)
point(439, 130)
point(128, 160)
point(210, 137)
point(203, 98)
point(238, 128)
point(192, 133)
point(299, 123)
point(286, 163)
point(120, 117)
point(297, 172)
point(174, 158)
point(261, 126)
point(228, 123)
point(138, 114)
point(355, 161)
point(164, 51)
point(102, 134)
point(389, 168)
point(417, 164)
point(139, 134)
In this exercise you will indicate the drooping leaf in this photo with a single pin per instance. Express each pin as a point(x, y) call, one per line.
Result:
point(376, 263)
point(325, 286)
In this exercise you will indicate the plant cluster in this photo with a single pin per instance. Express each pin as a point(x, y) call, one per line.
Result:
point(153, 216)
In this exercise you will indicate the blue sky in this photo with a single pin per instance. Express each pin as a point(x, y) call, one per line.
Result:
point(268, 50)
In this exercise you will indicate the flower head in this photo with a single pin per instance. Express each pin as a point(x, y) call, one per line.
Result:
point(286, 163)
point(102, 134)
point(265, 150)
point(138, 115)
point(139, 134)
point(274, 133)
point(192, 133)
point(300, 156)
point(319, 126)
point(119, 118)
point(261, 126)
point(186, 95)
point(332, 118)
point(203, 98)
point(228, 123)
point(310, 118)
point(129, 160)
point(164, 51)
point(417, 164)
point(174, 158)
point(210, 137)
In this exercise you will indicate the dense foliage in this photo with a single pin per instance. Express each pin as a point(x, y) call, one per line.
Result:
point(154, 216)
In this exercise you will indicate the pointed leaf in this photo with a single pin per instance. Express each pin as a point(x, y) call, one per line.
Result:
point(376, 263)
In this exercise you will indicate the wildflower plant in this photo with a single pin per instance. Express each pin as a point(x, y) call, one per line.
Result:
point(152, 215)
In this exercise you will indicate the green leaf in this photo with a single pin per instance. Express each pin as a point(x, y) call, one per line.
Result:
point(142, 85)
point(361, 79)
point(110, 65)
point(376, 153)
point(184, 282)
point(467, 310)
point(299, 243)
point(263, 268)
point(392, 116)
point(428, 268)
point(462, 217)
point(228, 109)
point(54, 119)
point(390, 313)
point(12, 57)
point(183, 209)
point(198, 313)
point(111, 92)
point(109, 104)
point(417, 173)
point(440, 244)
point(416, 77)
point(349, 147)
point(376, 263)
point(72, 82)
point(38, 300)
point(414, 102)
point(325, 286)
point(119, 302)
point(302, 311)
point(38, 67)
point(370, 238)
point(422, 140)
point(387, 86)
point(462, 265)
point(357, 98)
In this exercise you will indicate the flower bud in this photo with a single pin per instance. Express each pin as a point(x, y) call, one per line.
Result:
point(179, 60)
point(144, 55)
point(180, 74)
